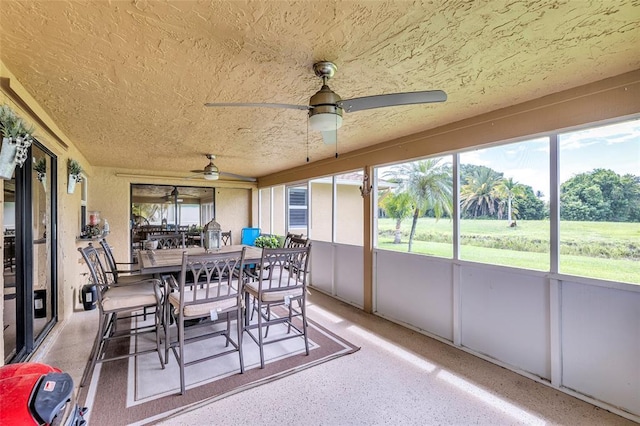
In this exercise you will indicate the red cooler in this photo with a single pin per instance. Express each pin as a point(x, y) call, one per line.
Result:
point(36, 394)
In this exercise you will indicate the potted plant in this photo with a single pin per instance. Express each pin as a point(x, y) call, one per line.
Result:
point(41, 170)
point(16, 140)
point(267, 241)
point(75, 171)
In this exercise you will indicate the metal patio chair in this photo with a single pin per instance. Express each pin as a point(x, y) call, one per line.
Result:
point(117, 301)
point(216, 296)
point(279, 280)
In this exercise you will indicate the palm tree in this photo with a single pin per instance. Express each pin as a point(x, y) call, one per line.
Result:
point(146, 211)
point(399, 207)
point(478, 195)
point(429, 184)
point(509, 189)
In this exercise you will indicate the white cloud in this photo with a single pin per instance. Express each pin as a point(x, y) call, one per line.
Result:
point(611, 134)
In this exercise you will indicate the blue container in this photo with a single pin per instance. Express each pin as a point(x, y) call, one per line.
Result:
point(249, 236)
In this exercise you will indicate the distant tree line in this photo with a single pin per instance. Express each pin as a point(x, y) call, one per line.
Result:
point(601, 196)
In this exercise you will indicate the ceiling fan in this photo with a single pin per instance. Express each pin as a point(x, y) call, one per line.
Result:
point(173, 196)
point(211, 171)
point(326, 107)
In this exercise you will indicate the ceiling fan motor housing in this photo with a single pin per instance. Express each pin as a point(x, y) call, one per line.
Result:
point(325, 114)
point(211, 172)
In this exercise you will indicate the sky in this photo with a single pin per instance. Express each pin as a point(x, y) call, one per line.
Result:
point(615, 147)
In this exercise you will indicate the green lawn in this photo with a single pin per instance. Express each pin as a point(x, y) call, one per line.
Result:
point(603, 250)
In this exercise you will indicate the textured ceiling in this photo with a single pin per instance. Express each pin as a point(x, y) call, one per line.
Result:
point(127, 80)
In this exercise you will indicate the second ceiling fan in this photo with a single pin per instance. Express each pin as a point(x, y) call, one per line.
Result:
point(211, 172)
point(326, 107)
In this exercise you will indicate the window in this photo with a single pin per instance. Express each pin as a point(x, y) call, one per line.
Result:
point(600, 202)
point(415, 204)
point(189, 214)
point(297, 206)
point(504, 205)
point(207, 212)
point(166, 208)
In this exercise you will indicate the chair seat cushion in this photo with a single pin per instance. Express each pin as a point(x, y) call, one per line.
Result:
point(275, 295)
point(126, 279)
point(204, 308)
point(130, 296)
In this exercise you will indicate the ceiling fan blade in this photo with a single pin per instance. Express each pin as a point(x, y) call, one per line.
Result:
point(199, 175)
point(392, 99)
point(239, 177)
point(330, 137)
point(288, 106)
point(197, 171)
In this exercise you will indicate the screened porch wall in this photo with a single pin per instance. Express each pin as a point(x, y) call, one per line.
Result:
point(538, 324)
point(337, 269)
point(579, 335)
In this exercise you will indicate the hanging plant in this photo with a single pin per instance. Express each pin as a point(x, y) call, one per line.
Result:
point(75, 175)
point(16, 140)
point(75, 170)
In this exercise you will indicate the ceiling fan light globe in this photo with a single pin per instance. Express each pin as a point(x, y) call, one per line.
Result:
point(325, 122)
point(211, 176)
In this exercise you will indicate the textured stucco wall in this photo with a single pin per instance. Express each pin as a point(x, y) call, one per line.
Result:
point(321, 211)
point(349, 220)
point(233, 210)
point(109, 194)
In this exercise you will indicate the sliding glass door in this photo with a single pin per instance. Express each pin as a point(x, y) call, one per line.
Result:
point(157, 209)
point(30, 306)
point(44, 245)
point(10, 304)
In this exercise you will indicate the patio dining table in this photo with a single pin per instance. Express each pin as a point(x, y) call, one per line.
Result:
point(170, 260)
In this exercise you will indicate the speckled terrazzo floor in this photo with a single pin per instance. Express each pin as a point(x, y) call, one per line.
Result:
point(399, 377)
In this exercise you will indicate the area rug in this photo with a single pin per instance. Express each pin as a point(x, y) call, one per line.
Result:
point(136, 391)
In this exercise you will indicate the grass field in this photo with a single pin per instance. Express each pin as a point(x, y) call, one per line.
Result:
point(603, 250)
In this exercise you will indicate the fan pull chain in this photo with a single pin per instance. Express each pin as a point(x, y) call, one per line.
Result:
point(336, 116)
point(307, 139)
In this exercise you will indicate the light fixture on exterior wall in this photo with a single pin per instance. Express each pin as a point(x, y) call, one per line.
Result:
point(366, 187)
